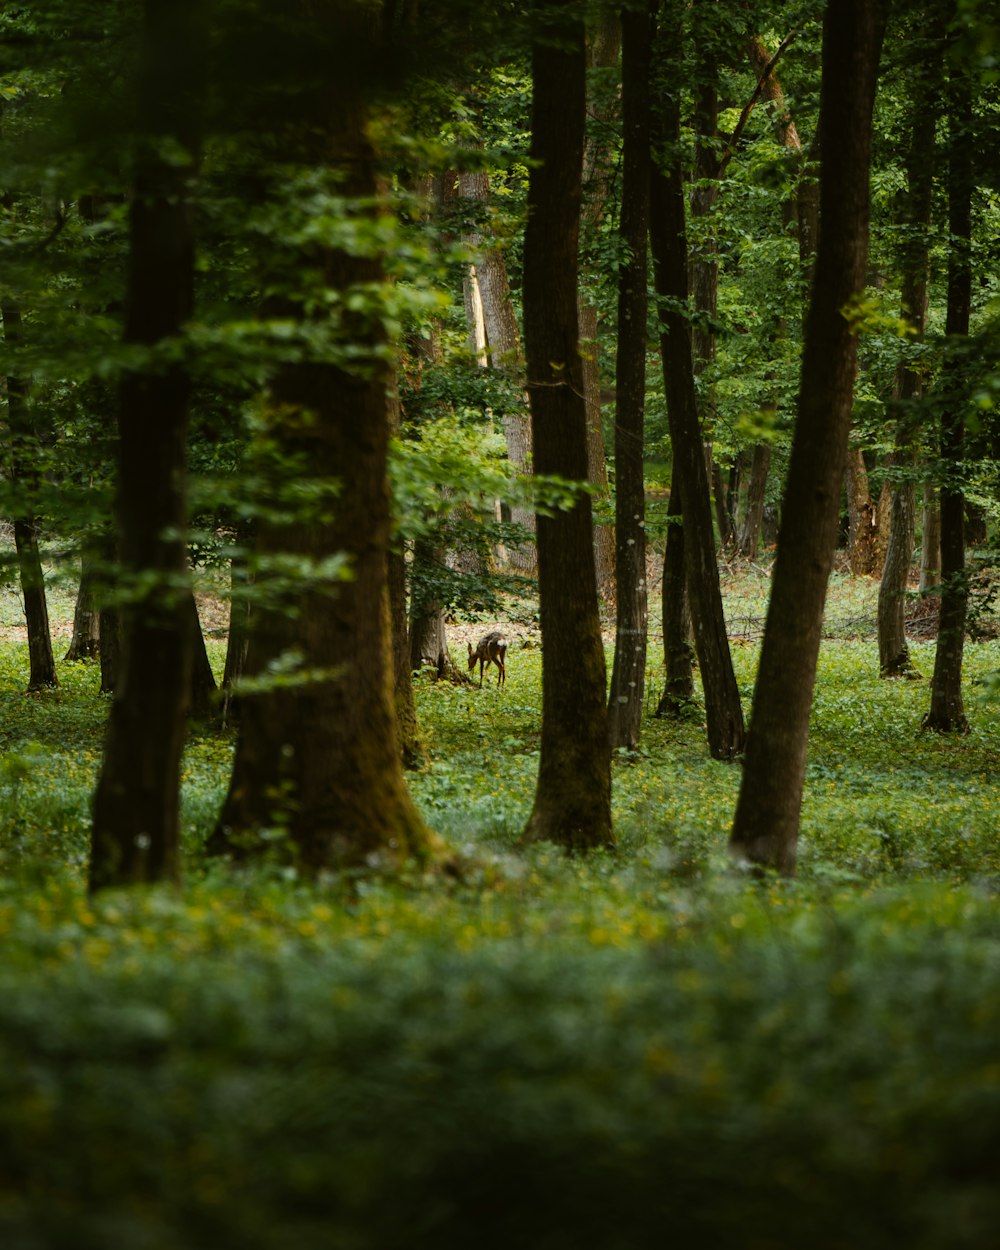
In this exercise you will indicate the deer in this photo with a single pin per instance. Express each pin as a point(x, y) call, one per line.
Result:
point(492, 649)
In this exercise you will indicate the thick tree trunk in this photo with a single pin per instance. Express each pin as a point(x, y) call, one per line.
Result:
point(318, 759)
point(41, 661)
point(668, 238)
point(765, 830)
point(573, 798)
point(136, 825)
point(947, 710)
point(678, 654)
point(628, 676)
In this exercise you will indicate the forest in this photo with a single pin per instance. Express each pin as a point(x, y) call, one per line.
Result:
point(499, 625)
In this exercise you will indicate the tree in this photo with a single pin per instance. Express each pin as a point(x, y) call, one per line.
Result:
point(947, 712)
point(317, 755)
point(136, 804)
point(573, 798)
point(669, 247)
point(765, 829)
point(503, 341)
point(603, 46)
point(625, 700)
point(894, 653)
point(24, 475)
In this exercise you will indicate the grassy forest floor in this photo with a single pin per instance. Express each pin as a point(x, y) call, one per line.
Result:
point(549, 1052)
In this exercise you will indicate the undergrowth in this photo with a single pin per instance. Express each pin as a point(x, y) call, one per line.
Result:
point(603, 1051)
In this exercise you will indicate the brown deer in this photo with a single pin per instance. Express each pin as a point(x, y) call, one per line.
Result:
point(492, 649)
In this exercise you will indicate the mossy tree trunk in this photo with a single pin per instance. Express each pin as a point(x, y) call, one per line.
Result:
point(317, 757)
point(573, 797)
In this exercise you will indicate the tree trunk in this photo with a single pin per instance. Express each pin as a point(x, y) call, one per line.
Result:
point(573, 798)
point(766, 826)
point(668, 238)
point(799, 212)
point(23, 454)
point(703, 266)
point(410, 749)
point(203, 684)
point(930, 541)
point(753, 508)
point(678, 654)
point(239, 625)
point(85, 643)
point(893, 650)
point(317, 758)
point(597, 462)
point(428, 633)
point(947, 710)
point(504, 353)
point(628, 676)
point(136, 805)
point(109, 623)
point(602, 54)
point(862, 529)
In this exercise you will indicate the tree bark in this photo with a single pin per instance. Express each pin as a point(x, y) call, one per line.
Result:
point(602, 54)
point(317, 758)
point(410, 748)
point(427, 632)
point(203, 684)
point(947, 710)
point(893, 649)
point(239, 624)
point(573, 797)
point(703, 264)
point(753, 507)
point(23, 455)
point(766, 826)
point(678, 654)
point(628, 676)
point(136, 805)
point(930, 541)
point(862, 529)
point(504, 352)
point(668, 238)
point(85, 643)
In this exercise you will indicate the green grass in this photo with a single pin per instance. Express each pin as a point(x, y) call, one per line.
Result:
point(620, 1050)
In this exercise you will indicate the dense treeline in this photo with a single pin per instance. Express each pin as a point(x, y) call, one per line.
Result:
point(259, 265)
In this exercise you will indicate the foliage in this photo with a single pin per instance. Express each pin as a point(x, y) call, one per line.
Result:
point(547, 1050)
